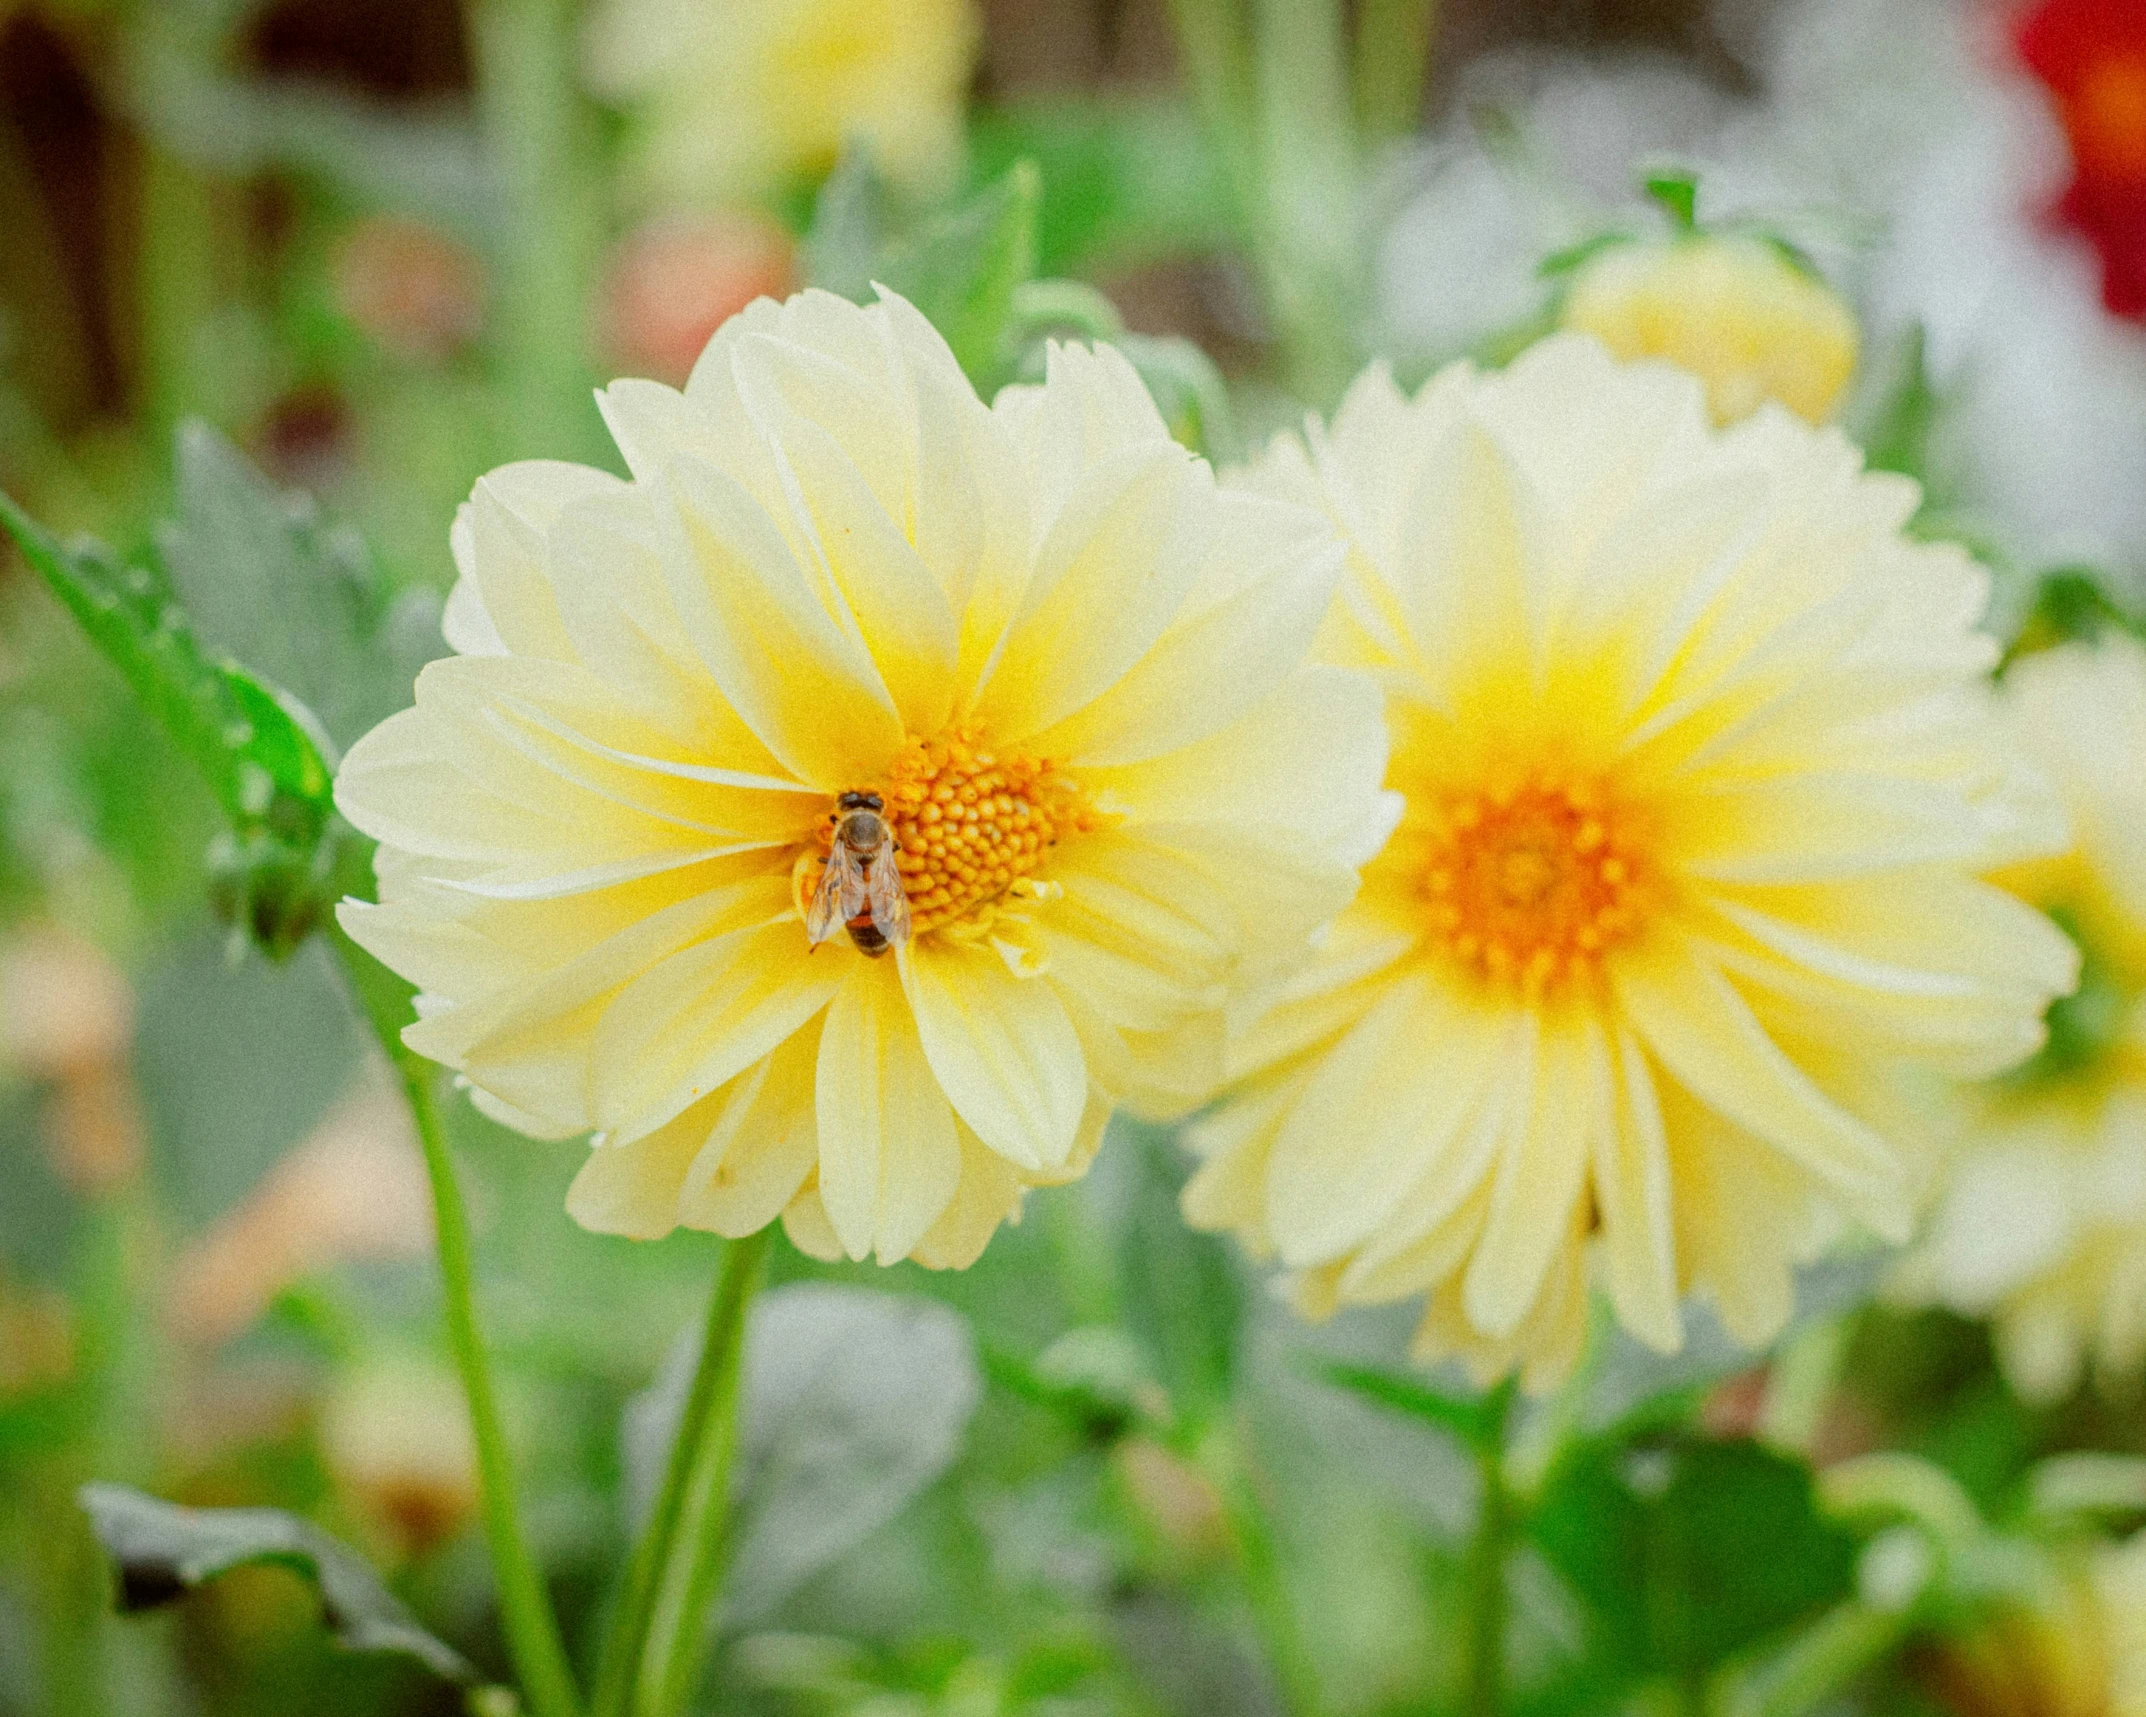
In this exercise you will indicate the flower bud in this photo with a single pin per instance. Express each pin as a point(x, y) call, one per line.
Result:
point(1734, 311)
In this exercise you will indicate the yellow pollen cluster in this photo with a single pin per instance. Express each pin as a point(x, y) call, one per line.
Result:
point(969, 824)
point(1529, 885)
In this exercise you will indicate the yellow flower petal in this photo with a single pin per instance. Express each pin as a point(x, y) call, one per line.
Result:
point(1003, 1048)
point(889, 1160)
point(1703, 1032)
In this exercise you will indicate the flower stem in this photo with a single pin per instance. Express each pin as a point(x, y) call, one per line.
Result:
point(1487, 1598)
point(1393, 52)
point(1219, 1455)
point(549, 221)
point(651, 1652)
point(533, 1640)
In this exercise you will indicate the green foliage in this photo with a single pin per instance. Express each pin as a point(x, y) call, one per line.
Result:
point(960, 267)
point(1896, 436)
point(263, 754)
point(851, 1403)
point(295, 597)
point(162, 1551)
point(1180, 1291)
point(1675, 191)
point(2072, 604)
point(1477, 1421)
point(1688, 1550)
point(1128, 180)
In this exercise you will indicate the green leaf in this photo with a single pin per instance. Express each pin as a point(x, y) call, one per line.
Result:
point(850, 219)
point(1189, 392)
point(1686, 1551)
point(1181, 1294)
point(1574, 256)
point(264, 756)
point(163, 1550)
point(1897, 438)
point(264, 578)
point(1478, 1421)
point(1133, 179)
point(963, 268)
point(2070, 603)
point(851, 1402)
point(1676, 191)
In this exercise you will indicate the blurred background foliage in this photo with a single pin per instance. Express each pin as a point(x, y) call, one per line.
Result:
point(253, 251)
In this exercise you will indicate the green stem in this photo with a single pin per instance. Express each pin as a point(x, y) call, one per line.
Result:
point(678, 1637)
point(1487, 1595)
point(1488, 1600)
point(1393, 52)
point(532, 1630)
point(1309, 230)
point(550, 222)
point(1259, 1562)
point(1833, 1652)
point(533, 1640)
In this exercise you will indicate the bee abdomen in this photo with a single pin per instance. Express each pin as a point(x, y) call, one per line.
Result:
point(866, 935)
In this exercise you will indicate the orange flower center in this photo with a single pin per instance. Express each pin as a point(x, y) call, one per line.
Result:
point(969, 823)
point(1530, 885)
point(2108, 118)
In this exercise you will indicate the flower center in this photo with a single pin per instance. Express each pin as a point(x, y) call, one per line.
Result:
point(1530, 885)
point(970, 824)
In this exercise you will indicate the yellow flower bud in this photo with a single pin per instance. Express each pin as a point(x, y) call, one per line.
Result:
point(1735, 312)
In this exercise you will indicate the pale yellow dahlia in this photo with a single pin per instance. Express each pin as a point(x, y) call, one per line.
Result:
point(728, 99)
point(1734, 310)
point(1698, 772)
point(2074, 1645)
point(1068, 668)
point(2042, 1224)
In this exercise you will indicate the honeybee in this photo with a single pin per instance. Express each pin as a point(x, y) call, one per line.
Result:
point(861, 887)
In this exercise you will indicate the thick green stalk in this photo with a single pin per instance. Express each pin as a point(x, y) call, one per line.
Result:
point(1393, 51)
point(678, 1630)
point(539, 1654)
point(1313, 250)
point(1836, 1649)
point(687, 1507)
point(533, 1640)
point(1487, 1601)
point(1259, 1563)
point(549, 222)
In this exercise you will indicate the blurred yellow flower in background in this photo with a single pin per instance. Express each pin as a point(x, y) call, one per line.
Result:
point(2075, 1648)
point(731, 98)
point(1733, 310)
point(2043, 1222)
point(1699, 770)
point(1067, 666)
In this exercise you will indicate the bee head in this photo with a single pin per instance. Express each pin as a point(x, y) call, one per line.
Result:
point(861, 802)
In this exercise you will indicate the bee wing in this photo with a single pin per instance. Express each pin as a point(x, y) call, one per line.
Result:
point(841, 894)
point(890, 904)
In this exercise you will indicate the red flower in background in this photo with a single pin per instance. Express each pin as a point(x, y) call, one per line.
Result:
point(2092, 55)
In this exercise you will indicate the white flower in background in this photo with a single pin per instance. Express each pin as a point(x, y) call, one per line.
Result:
point(1897, 143)
point(2042, 1226)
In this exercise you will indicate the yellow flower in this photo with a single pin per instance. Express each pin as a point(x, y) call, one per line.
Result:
point(2043, 1222)
point(1697, 768)
point(730, 98)
point(1734, 311)
point(1068, 666)
point(2074, 1646)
